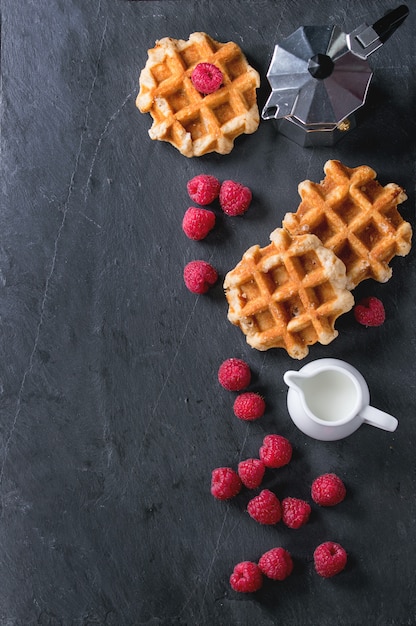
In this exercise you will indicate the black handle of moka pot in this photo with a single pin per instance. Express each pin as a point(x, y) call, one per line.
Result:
point(385, 26)
point(365, 40)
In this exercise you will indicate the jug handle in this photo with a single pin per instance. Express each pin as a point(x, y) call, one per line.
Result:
point(378, 418)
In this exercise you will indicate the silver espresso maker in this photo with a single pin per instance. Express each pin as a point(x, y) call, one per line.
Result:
point(319, 77)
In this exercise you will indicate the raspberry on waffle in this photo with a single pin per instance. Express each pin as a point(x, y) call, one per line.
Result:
point(288, 294)
point(192, 122)
point(355, 217)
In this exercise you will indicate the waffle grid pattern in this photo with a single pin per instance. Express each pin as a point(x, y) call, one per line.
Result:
point(288, 294)
point(356, 217)
point(193, 123)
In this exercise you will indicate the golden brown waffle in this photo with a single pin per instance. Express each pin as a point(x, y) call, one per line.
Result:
point(196, 124)
point(288, 294)
point(356, 217)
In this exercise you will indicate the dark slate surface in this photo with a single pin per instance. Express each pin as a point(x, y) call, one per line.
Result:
point(111, 418)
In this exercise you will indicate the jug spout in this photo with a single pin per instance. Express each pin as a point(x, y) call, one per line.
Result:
point(295, 380)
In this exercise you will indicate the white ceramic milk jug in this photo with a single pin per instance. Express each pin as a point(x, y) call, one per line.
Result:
point(328, 399)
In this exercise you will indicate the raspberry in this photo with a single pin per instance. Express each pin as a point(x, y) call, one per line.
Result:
point(234, 374)
point(203, 189)
point(276, 451)
point(197, 223)
point(276, 564)
point(328, 490)
point(206, 78)
point(370, 312)
point(225, 483)
point(251, 473)
point(246, 577)
point(330, 558)
point(295, 512)
point(199, 276)
point(265, 508)
point(234, 198)
point(249, 406)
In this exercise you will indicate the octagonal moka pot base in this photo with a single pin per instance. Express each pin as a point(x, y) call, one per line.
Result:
point(319, 77)
point(318, 135)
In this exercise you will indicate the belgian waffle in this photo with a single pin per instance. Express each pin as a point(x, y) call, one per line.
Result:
point(355, 217)
point(196, 124)
point(288, 294)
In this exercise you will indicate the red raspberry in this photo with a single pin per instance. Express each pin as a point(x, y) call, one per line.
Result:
point(246, 577)
point(276, 564)
point(249, 406)
point(251, 473)
point(276, 451)
point(197, 223)
point(234, 374)
point(265, 508)
point(225, 483)
point(203, 189)
point(295, 512)
point(206, 78)
point(328, 490)
point(370, 312)
point(234, 198)
point(199, 276)
point(330, 558)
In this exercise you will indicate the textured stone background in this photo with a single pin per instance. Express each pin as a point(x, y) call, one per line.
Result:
point(111, 418)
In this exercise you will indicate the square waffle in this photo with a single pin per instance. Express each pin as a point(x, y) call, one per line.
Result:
point(355, 217)
point(196, 124)
point(288, 294)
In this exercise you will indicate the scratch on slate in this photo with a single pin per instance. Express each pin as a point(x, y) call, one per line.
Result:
point(44, 298)
point(98, 9)
point(243, 445)
point(214, 557)
point(282, 16)
point(207, 571)
point(309, 164)
point(100, 140)
point(167, 377)
point(90, 220)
